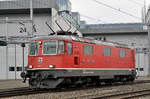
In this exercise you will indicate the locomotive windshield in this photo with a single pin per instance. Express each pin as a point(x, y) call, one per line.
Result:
point(34, 48)
point(53, 47)
point(49, 47)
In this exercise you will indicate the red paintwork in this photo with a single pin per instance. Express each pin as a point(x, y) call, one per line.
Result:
point(95, 61)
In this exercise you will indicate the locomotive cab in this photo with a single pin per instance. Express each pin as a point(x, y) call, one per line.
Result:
point(45, 53)
point(45, 56)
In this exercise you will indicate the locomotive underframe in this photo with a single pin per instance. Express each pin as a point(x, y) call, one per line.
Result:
point(55, 77)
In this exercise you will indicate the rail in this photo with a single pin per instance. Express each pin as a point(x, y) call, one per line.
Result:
point(127, 95)
point(28, 91)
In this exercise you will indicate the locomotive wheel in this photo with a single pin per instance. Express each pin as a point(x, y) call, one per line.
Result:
point(124, 80)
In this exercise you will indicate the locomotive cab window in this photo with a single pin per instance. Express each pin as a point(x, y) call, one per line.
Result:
point(33, 48)
point(69, 48)
point(122, 53)
point(106, 51)
point(61, 47)
point(88, 49)
point(49, 48)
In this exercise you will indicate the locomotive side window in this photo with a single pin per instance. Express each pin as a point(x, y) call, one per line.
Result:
point(61, 47)
point(106, 51)
point(33, 49)
point(88, 49)
point(49, 47)
point(69, 48)
point(122, 53)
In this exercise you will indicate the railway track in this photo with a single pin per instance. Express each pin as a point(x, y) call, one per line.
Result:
point(126, 95)
point(28, 91)
point(16, 92)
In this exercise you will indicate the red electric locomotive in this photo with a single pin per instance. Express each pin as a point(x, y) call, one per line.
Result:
point(59, 60)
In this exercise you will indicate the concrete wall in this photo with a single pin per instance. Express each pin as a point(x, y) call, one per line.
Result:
point(142, 64)
point(138, 40)
point(24, 4)
point(3, 62)
point(14, 29)
point(13, 59)
point(114, 28)
point(40, 27)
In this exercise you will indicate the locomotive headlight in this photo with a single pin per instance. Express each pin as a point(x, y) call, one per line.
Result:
point(51, 66)
point(30, 66)
point(40, 42)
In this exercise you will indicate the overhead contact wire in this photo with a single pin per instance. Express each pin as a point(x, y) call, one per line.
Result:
point(106, 5)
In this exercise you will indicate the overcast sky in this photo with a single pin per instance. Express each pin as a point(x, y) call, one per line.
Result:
point(93, 12)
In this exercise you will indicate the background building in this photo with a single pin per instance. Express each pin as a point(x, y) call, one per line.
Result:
point(82, 24)
point(76, 18)
point(45, 11)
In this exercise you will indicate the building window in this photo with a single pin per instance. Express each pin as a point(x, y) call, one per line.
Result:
point(122, 53)
point(69, 48)
point(11, 68)
point(141, 69)
point(19, 68)
point(88, 49)
point(106, 51)
point(144, 49)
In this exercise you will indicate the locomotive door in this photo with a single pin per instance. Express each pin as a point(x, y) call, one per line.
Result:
point(73, 54)
point(76, 56)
